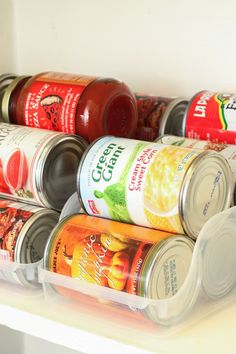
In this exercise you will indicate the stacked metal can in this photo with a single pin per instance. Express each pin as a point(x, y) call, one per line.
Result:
point(128, 258)
point(154, 185)
point(37, 167)
point(208, 116)
point(24, 231)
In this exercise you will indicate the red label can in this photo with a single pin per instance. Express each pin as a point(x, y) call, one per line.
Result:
point(24, 231)
point(212, 116)
point(18, 221)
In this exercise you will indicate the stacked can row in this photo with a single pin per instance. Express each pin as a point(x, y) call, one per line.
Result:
point(93, 107)
point(163, 187)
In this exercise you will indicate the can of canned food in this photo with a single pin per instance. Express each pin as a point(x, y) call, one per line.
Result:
point(226, 150)
point(38, 166)
point(211, 116)
point(150, 111)
point(5, 81)
point(165, 187)
point(132, 259)
point(172, 119)
point(24, 231)
point(72, 206)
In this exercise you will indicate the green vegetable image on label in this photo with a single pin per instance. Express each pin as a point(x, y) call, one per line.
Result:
point(134, 181)
point(114, 196)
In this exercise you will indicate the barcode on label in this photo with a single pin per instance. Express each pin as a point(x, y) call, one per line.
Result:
point(4, 255)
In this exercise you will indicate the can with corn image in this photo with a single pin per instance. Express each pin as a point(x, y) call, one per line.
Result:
point(164, 187)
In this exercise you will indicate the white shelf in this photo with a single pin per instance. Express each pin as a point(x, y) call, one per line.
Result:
point(82, 330)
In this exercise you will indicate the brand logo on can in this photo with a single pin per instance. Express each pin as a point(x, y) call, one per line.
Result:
point(212, 116)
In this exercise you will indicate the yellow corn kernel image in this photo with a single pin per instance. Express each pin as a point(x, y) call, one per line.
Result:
point(170, 224)
point(162, 186)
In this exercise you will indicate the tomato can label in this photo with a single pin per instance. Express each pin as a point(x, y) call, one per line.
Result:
point(20, 149)
point(51, 101)
point(135, 181)
point(13, 217)
point(212, 116)
point(112, 254)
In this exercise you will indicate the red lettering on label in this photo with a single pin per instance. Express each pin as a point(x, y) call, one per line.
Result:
point(93, 207)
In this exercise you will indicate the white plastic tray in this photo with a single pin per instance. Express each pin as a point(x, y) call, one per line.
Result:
point(210, 283)
point(23, 275)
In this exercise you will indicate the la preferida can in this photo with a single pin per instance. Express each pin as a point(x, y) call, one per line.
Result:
point(226, 150)
point(164, 187)
point(38, 166)
point(128, 258)
point(211, 116)
point(24, 232)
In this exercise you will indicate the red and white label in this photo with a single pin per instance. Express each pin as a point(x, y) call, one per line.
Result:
point(20, 150)
point(212, 116)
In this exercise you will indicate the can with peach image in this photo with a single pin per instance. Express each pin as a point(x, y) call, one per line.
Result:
point(129, 258)
point(169, 188)
point(38, 166)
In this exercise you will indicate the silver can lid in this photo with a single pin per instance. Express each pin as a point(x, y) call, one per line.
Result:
point(33, 238)
point(164, 270)
point(207, 189)
point(57, 168)
point(172, 121)
point(5, 81)
point(72, 206)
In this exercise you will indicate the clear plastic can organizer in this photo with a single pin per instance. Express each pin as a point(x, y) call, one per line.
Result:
point(25, 275)
point(209, 284)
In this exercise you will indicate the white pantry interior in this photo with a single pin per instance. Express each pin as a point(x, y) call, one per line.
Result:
point(165, 47)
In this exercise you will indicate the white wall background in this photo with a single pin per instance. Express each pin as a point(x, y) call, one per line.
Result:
point(7, 37)
point(164, 47)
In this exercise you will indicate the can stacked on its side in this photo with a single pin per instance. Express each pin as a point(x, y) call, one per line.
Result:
point(226, 150)
point(38, 166)
point(132, 259)
point(211, 116)
point(5, 81)
point(165, 187)
point(153, 111)
point(24, 232)
point(208, 116)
